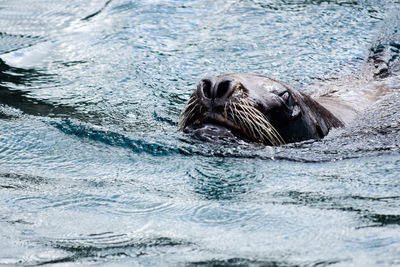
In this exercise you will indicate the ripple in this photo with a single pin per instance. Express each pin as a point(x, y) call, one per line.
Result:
point(20, 181)
point(108, 204)
point(109, 244)
point(31, 203)
point(45, 17)
point(94, 202)
point(141, 206)
point(79, 201)
point(217, 214)
point(21, 141)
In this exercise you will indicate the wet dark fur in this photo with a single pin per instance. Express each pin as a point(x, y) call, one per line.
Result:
point(251, 107)
point(315, 122)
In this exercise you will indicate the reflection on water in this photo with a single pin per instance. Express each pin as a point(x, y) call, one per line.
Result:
point(13, 78)
point(94, 171)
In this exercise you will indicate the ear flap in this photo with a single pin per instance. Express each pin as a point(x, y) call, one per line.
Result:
point(296, 111)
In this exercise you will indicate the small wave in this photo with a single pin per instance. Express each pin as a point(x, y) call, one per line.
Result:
point(381, 220)
point(12, 42)
point(20, 181)
point(109, 244)
point(88, 17)
point(94, 247)
point(168, 144)
point(99, 134)
point(240, 262)
point(167, 120)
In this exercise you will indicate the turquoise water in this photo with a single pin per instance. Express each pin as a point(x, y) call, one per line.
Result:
point(94, 172)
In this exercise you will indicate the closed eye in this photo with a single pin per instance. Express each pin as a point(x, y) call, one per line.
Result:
point(287, 98)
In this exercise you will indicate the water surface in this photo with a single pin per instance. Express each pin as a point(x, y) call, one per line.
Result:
point(94, 172)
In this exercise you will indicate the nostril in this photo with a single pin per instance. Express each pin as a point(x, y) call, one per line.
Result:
point(206, 86)
point(211, 89)
point(223, 88)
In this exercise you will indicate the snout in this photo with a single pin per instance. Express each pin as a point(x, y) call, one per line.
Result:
point(215, 92)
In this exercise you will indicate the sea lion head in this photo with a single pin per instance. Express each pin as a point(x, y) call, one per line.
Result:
point(256, 108)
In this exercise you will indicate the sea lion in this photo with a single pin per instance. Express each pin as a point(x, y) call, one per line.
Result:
point(256, 108)
point(260, 109)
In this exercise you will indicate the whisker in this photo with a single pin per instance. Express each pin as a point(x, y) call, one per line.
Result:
point(188, 114)
point(254, 122)
point(242, 113)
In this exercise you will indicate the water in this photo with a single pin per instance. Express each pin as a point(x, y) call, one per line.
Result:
point(94, 172)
